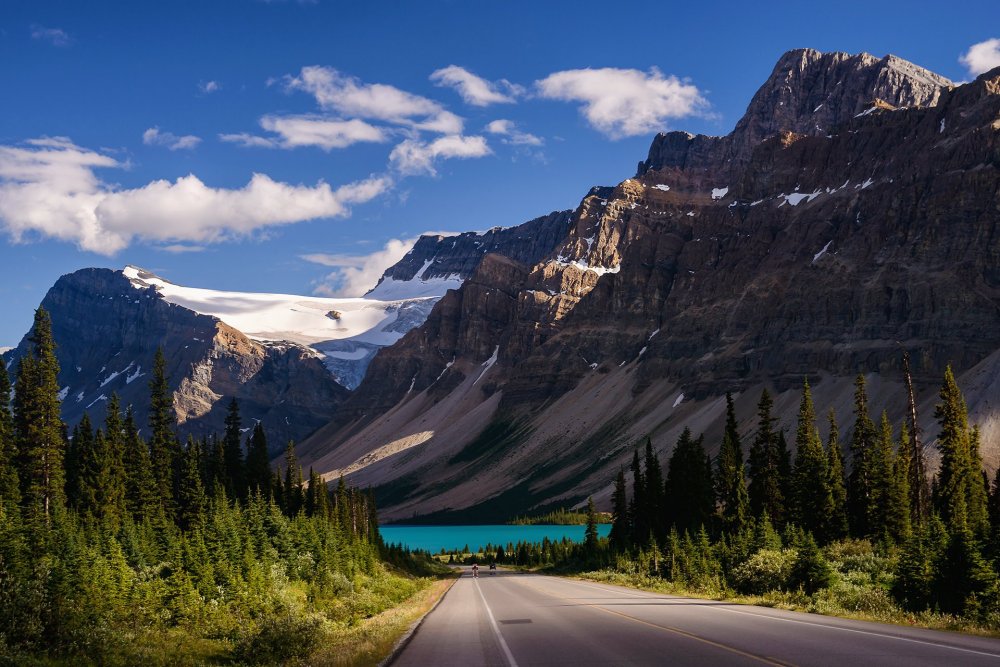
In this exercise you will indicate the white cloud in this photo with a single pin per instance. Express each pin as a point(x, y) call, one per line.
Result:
point(351, 97)
point(154, 137)
point(475, 90)
point(298, 131)
point(511, 135)
point(49, 188)
point(418, 157)
point(624, 102)
point(179, 248)
point(209, 87)
point(982, 57)
point(54, 36)
point(356, 274)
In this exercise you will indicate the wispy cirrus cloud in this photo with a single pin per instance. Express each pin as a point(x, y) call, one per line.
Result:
point(307, 130)
point(982, 57)
point(511, 135)
point(49, 188)
point(155, 137)
point(624, 102)
point(54, 36)
point(476, 90)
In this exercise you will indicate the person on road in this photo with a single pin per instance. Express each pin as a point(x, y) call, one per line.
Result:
point(493, 568)
point(475, 571)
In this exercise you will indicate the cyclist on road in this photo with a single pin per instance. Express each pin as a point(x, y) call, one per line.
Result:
point(475, 570)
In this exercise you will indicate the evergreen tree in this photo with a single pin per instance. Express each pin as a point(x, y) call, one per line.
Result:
point(860, 491)
point(837, 528)
point(898, 515)
point(591, 543)
point(114, 474)
point(810, 571)
point(233, 453)
point(637, 510)
point(191, 493)
point(80, 466)
point(164, 449)
point(730, 481)
point(979, 488)
point(960, 498)
point(619, 514)
point(38, 429)
point(653, 493)
point(258, 462)
point(141, 492)
point(689, 487)
point(915, 460)
point(294, 498)
point(215, 468)
point(9, 492)
point(813, 500)
point(764, 491)
point(784, 458)
point(881, 480)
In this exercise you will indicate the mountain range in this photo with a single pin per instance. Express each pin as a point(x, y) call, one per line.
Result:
point(850, 216)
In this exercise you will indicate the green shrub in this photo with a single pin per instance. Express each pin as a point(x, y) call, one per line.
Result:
point(766, 570)
point(283, 636)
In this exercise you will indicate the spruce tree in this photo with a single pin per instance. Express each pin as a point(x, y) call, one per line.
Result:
point(813, 500)
point(9, 492)
point(38, 429)
point(764, 490)
point(898, 515)
point(881, 480)
point(860, 492)
point(637, 509)
point(591, 543)
point(191, 493)
point(78, 463)
point(115, 473)
point(837, 528)
point(164, 449)
point(233, 453)
point(294, 498)
point(916, 462)
point(689, 487)
point(730, 480)
point(619, 514)
point(258, 462)
point(141, 496)
point(653, 493)
point(979, 486)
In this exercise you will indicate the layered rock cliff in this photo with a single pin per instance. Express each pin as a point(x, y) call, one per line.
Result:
point(851, 214)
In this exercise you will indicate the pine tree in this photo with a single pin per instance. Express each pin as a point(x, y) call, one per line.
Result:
point(258, 462)
point(960, 497)
point(881, 479)
point(233, 453)
point(837, 528)
point(979, 488)
point(810, 571)
point(294, 498)
point(653, 493)
point(730, 481)
point(764, 490)
point(9, 492)
point(78, 459)
point(191, 493)
point(860, 491)
point(813, 500)
point(690, 495)
point(591, 543)
point(637, 509)
point(916, 463)
point(619, 514)
point(38, 429)
point(114, 474)
point(141, 497)
point(164, 449)
point(898, 519)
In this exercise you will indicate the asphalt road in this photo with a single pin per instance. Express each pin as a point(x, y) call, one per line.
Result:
point(512, 619)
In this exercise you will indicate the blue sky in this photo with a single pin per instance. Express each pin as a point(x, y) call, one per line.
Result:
point(297, 146)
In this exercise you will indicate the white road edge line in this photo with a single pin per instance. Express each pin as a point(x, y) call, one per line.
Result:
point(496, 628)
point(818, 625)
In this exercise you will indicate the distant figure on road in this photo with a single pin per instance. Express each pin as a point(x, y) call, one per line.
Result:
point(493, 569)
point(475, 571)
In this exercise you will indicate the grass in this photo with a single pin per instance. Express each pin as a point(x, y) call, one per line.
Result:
point(841, 600)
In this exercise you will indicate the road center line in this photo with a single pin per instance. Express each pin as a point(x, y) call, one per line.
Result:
point(665, 628)
point(496, 628)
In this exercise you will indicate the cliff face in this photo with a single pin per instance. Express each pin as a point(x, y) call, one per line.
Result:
point(853, 213)
point(107, 332)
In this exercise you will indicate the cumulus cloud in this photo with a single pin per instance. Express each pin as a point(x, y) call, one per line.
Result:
point(476, 90)
point(154, 137)
point(511, 135)
point(417, 157)
point(54, 36)
point(351, 97)
point(297, 131)
point(982, 57)
point(356, 274)
point(49, 188)
point(209, 87)
point(624, 102)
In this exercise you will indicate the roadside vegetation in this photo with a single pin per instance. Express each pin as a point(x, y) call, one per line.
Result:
point(559, 517)
point(115, 550)
point(875, 541)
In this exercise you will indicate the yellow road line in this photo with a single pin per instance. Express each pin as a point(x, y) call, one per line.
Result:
point(666, 628)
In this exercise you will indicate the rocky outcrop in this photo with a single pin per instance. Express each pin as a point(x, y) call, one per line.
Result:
point(805, 243)
point(107, 332)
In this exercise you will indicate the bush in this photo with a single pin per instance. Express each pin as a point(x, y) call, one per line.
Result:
point(810, 570)
point(282, 636)
point(766, 570)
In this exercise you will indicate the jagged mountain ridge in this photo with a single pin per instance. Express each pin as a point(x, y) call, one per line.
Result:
point(820, 253)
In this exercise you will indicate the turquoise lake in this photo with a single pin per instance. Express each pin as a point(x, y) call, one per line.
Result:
point(435, 538)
